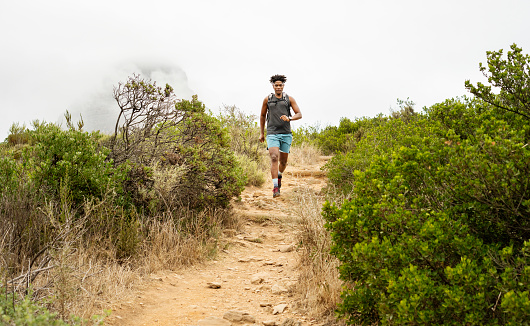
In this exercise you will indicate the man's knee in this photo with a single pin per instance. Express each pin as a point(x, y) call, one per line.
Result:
point(274, 157)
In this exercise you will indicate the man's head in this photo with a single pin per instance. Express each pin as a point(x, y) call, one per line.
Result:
point(276, 78)
point(277, 82)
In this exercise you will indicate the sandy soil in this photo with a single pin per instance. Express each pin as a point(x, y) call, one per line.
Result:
point(255, 267)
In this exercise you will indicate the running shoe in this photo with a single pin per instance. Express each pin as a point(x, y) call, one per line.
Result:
point(275, 192)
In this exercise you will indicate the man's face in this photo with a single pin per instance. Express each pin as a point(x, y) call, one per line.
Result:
point(278, 87)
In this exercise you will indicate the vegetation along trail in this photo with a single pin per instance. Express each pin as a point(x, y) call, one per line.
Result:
point(250, 279)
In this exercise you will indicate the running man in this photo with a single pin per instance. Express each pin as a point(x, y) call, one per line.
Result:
point(276, 110)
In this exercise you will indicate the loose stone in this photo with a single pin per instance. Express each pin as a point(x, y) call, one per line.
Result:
point(279, 309)
point(214, 285)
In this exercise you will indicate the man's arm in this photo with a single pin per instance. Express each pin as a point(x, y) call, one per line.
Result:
point(262, 118)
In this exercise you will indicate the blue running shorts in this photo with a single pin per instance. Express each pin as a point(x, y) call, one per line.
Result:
point(283, 141)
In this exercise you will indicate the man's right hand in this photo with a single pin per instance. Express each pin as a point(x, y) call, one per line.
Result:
point(261, 138)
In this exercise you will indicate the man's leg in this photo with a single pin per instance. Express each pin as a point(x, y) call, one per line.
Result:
point(285, 147)
point(274, 153)
point(283, 161)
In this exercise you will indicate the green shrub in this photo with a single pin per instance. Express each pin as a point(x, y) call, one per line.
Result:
point(252, 170)
point(212, 175)
point(243, 132)
point(380, 140)
point(340, 139)
point(72, 159)
point(9, 175)
point(18, 134)
point(436, 228)
point(306, 135)
point(23, 311)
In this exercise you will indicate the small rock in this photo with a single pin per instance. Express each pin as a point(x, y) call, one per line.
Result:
point(264, 287)
point(248, 318)
point(269, 323)
point(279, 309)
point(286, 248)
point(249, 259)
point(278, 289)
point(258, 278)
point(265, 304)
point(233, 316)
point(214, 285)
point(214, 321)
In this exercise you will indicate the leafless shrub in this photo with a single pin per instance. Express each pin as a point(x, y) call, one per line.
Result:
point(148, 119)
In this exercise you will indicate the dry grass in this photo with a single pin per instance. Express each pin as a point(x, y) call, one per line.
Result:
point(86, 284)
point(256, 172)
point(83, 285)
point(305, 154)
point(173, 245)
point(82, 272)
point(318, 288)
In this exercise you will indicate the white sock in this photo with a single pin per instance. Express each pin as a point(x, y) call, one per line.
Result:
point(275, 182)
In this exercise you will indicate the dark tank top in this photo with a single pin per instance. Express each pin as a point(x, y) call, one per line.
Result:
point(276, 108)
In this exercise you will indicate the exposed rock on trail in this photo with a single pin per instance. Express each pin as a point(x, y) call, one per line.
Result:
point(248, 283)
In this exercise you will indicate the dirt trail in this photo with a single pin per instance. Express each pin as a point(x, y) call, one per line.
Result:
point(255, 268)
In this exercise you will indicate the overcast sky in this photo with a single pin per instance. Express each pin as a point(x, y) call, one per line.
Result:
point(348, 58)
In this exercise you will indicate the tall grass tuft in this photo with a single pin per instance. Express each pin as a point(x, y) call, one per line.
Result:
point(305, 154)
point(318, 287)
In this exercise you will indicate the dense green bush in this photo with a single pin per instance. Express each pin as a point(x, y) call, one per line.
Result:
point(346, 137)
point(342, 138)
point(18, 134)
point(436, 228)
point(380, 139)
point(306, 135)
point(70, 159)
point(212, 174)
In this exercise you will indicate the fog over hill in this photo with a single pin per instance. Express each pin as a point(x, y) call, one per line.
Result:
point(98, 107)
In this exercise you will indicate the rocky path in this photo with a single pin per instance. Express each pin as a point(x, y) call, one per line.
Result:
point(248, 283)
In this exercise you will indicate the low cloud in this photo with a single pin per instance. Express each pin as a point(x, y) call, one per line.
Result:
point(98, 107)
